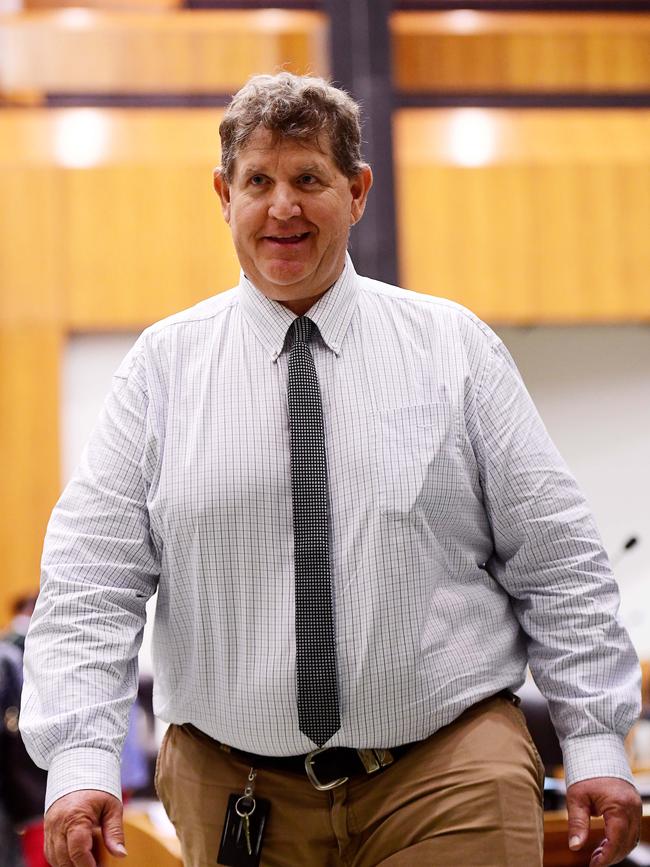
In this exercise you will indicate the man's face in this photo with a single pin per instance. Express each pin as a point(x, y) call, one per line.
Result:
point(290, 210)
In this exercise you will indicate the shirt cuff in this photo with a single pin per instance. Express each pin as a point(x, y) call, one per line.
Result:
point(595, 756)
point(82, 768)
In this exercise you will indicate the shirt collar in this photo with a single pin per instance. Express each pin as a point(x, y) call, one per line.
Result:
point(332, 313)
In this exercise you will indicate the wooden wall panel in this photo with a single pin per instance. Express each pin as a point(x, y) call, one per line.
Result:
point(80, 50)
point(144, 232)
point(31, 313)
point(29, 452)
point(135, 234)
point(550, 224)
point(143, 242)
point(30, 241)
point(482, 51)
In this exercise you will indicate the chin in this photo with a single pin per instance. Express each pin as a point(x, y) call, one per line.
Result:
point(288, 277)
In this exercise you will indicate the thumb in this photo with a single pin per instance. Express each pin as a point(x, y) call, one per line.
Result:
point(579, 818)
point(113, 829)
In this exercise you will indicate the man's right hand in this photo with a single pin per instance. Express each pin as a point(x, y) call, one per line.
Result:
point(73, 820)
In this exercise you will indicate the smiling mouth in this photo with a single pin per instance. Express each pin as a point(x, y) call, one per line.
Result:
point(287, 240)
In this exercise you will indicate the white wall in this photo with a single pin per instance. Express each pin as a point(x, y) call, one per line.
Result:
point(592, 387)
point(88, 367)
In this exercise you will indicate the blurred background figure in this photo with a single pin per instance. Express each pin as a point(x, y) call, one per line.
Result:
point(136, 771)
point(23, 609)
point(22, 784)
point(10, 683)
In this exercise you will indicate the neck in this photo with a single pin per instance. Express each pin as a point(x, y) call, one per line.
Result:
point(300, 306)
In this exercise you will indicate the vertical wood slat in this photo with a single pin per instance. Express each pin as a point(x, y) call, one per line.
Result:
point(30, 239)
point(29, 452)
point(31, 333)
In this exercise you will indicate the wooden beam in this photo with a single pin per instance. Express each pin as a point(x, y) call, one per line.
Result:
point(470, 50)
point(29, 452)
point(83, 50)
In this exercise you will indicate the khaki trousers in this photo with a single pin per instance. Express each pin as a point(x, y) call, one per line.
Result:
point(471, 794)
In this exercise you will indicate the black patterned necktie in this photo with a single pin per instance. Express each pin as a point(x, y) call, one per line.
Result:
point(318, 707)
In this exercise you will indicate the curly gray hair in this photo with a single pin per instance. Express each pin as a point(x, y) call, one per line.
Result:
point(293, 106)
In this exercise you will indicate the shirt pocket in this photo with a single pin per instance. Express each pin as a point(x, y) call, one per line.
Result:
point(418, 453)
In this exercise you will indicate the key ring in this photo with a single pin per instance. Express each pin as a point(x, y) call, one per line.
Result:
point(241, 813)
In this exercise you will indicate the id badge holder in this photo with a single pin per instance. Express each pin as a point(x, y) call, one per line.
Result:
point(243, 828)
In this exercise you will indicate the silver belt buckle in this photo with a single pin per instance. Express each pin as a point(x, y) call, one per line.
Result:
point(313, 779)
point(372, 760)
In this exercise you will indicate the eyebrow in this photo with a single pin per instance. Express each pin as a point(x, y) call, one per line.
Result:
point(311, 169)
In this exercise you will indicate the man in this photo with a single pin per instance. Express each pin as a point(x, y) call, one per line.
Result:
point(360, 534)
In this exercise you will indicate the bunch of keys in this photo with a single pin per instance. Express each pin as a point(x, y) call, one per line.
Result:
point(245, 807)
point(241, 839)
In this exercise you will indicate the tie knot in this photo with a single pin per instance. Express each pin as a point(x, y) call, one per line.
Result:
point(302, 329)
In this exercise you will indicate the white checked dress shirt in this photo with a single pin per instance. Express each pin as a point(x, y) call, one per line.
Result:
point(461, 546)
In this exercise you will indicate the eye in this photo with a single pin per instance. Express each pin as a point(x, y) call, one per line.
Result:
point(256, 180)
point(307, 180)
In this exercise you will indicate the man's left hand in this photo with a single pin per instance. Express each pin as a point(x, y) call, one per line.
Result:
point(618, 802)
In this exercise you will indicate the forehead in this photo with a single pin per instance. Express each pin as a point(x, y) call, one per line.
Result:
point(266, 148)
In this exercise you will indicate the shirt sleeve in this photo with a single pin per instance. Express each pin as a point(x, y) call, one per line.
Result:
point(99, 568)
point(549, 557)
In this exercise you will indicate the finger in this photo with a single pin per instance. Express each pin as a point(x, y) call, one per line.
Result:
point(48, 849)
point(97, 845)
point(113, 829)
point(58, 852)
point(80, 842)
point(49, 846)
point(607, 853)
point(620, 838)
point(596, 855)
point(579, 819)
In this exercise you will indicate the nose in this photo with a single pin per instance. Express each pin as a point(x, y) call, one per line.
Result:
point(284, 202)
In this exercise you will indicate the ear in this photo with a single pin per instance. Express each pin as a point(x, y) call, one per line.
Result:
point(223, 191)
point(359, 188)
